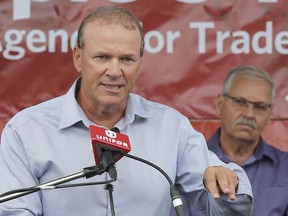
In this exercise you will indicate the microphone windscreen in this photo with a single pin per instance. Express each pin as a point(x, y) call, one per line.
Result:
point(115, 129)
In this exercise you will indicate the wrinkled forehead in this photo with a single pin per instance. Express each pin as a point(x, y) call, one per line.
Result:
point(124, 21)
point(252, 86)
point(103, 25)
point(246, 77)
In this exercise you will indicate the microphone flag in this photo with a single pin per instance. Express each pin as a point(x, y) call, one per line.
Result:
point(108, 140)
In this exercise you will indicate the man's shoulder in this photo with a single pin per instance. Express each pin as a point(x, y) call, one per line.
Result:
point(37, 111)
point(146, 103)
point(153, 106)
point(282, 155)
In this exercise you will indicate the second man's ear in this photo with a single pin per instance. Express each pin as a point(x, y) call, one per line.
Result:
point(218, 104)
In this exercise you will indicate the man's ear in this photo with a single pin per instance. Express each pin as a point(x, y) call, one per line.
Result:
point(219, 104)
point(77, 58)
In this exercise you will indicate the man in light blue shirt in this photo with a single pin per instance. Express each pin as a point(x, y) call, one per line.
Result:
point(51, 140)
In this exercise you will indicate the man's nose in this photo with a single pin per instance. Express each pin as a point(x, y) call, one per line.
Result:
point(114, 69)
point(249, 110)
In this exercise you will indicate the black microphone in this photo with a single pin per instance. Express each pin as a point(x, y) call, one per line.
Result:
point(108, 157)
point(101, 144)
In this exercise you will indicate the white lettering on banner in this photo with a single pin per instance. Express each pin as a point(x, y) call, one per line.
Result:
point(242, 40)
point(122, 1)
point(22, 8)
point(35, 37)
point(13, 37)
point(36, 41)
point(155, 37)
point(202, 26)
point(267, 1)
point(262, 42)
point(191, 1)
point(280, 41)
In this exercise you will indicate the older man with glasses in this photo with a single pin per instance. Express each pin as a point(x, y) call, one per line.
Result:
point(245, 107)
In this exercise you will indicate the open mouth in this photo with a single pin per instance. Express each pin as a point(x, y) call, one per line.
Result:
point(112, 87)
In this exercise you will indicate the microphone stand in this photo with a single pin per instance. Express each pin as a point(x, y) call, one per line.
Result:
point(86, 172)
point(109, 187)
point(107, 160)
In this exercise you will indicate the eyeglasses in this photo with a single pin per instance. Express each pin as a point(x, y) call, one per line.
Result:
point(242, 104)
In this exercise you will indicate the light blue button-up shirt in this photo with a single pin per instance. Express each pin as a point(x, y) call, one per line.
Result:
point(51, 140)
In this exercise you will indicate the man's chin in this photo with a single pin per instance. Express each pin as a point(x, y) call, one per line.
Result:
point(245, 127)
point(246, 136)
point(113, 101)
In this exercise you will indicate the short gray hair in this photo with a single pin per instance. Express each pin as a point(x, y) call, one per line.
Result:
point(250, 72)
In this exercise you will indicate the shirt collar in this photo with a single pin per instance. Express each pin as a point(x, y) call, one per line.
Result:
point(71, 112)
point(135, 109)
point(262, 150)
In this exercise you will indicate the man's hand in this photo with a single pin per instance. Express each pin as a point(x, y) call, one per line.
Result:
point(220, 180)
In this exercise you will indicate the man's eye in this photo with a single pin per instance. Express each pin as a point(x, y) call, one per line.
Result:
point(101, 57)
point(240, 102)
point(260, 106)
point(126, 59)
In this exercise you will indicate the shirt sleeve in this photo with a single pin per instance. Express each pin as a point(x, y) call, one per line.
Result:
point(15, 167)
point(194, 159)
point(242, 206)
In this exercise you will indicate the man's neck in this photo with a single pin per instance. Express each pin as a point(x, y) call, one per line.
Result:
point(104, 118)
point(101, 115)
point(237, 150)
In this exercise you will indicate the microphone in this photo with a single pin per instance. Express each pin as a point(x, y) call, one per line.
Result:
point(106, 145)
point(118, 145)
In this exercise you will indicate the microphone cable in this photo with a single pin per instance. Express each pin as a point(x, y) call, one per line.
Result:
point(174, 193)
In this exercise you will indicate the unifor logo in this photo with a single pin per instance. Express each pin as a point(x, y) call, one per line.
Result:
point(111, 134)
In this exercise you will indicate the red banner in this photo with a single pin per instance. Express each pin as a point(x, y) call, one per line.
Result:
point(190, 47)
